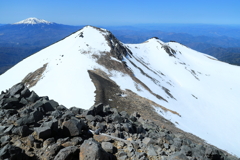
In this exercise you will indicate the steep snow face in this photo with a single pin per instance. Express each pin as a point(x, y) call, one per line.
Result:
point(205, 92)
point(202, 90)
point(33, 21)
point(65, 79)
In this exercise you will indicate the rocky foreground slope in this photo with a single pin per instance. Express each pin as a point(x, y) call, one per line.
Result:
point(33, 127)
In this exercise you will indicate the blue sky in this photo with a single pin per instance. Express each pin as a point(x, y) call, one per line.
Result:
point(122, 12)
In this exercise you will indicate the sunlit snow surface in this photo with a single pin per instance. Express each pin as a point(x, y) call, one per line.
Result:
point(66, 79)
point(204, 91)
point(33, 21)
point(207, 102)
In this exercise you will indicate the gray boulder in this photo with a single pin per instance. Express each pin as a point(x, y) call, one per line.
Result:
point(68, 153)
point(73, 127)
point(16, 89)
point(25, 92)
point(33, 97)
point(56, 114)
point(50, 105)
point(117, 118)
point(213, 154)
point(107, 146)
point(12, 153)
point(43, 133)
point(186, 150)
point(151, 151)
point(22, 131)
point(2, 129)
point(148, 141)
point(177, 156)
point(53, 124)
point(90, 118)
point(5, 139)
point(92, 150)
point(51, 152)
point(76, 110)
point(33, 117)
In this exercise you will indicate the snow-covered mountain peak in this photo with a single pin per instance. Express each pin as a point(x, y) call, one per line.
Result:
point(103, 40)
point(191, 89)
point(33, 20)
point(90, 31)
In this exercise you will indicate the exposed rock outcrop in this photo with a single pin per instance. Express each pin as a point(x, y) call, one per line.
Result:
point(39, 128)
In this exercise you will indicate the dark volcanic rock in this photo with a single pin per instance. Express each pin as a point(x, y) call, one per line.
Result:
point(178, 156)
point(25, 92)
point(76, 110)
point(2, 129)
point(68, 153)
point(186, 150)
point(33, 97)
point(148, 141)
point(213, 154)
point(95, 149)
point(51, 105)
point(73, 127)
point(11, 103)
point(16, 89)
point(57, 114)
point(117, 118)
point(45, 130)
point(12, 153)
point(33, 117)
point(5, 139)
point(53, 125)
point(22, 131)
point(51, 152)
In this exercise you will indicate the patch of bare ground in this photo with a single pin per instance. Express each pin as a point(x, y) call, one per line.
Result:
point(109, 93)
point(33, 77)
point(111, 65)
point(118, 51)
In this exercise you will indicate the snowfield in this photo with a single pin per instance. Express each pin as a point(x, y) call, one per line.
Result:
point(202, 90)
point(205, 92)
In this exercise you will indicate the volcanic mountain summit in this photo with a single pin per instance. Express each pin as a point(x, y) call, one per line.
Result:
point(195, 91)
point(33, 21)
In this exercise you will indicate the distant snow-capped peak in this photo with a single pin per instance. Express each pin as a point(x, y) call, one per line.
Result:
point(33, 21)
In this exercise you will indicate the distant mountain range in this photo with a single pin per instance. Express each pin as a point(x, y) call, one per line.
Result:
point(28, 36)
point(224, 44)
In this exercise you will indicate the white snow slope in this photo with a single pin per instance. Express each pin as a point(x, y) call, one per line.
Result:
point(203, 90)
point(33, 21)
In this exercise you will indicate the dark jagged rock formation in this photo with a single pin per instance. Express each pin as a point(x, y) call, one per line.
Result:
point(33, 127)
point(169, 50)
